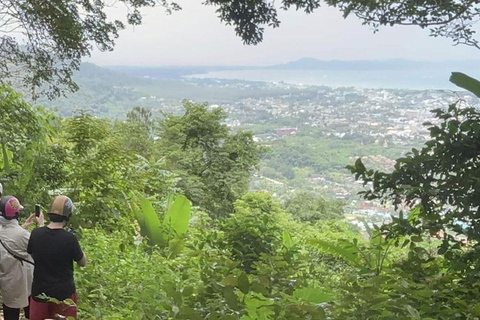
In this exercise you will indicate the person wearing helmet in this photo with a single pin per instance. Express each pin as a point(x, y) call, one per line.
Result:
point(16, 270)
point(1, 189)
point(54, 250)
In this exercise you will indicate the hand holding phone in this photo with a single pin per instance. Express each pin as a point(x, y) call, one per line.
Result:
point(39, 215)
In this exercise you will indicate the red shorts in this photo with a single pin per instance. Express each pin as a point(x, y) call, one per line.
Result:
point(49, 310)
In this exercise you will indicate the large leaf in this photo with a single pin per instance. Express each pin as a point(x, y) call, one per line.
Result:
point(342, 249)
point(243, 283)
point(152, 223)
point(178, 215)
point(7, 156)
point(170, 200)
point(287, 240)
point(468, 83)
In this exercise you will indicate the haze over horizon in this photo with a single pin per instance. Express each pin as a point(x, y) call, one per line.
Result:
point(308, 60)
point(196, 37)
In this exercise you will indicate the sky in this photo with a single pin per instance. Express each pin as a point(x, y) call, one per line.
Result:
point(195, 36)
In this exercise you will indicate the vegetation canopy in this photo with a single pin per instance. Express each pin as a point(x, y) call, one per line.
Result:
point(452, 19)
point(43, 41)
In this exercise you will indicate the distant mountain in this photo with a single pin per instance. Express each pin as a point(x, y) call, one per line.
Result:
point(177, 73)
point(395, 64)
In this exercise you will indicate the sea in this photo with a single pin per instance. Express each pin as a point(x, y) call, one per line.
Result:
point(414, 79)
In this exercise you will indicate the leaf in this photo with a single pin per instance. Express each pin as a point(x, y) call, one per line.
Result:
point(443, 247)
point(416, 239)
point(466, 82)
point(170, 200)
point(243, 283)
point(313, 295)
point(230, 297)
point(344, 249)
point(230, 280)
point(476, 310)
point(287, 240)
point(414, 214)
point(178, 215)
point(413, 312)
point(360, 168)
point(188, 291)
point(152, 223)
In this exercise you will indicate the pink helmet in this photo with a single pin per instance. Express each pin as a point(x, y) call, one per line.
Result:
point(10, 207)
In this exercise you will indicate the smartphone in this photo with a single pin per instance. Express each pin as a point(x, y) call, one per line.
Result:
point(37, 210)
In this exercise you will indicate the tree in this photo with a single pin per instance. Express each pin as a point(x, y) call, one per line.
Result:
point(24, 131)
point(214, 164)
point(440, 183)
point(308, 207)
point(101, 172)
point(253, 230)
point(137, 133)
point(19, 123)
point(452, 19)
point(56, 35)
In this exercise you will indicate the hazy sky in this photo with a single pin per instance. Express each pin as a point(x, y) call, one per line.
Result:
point(195, 36)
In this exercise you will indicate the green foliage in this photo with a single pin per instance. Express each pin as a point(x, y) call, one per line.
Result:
point(308, 207)
point(56, 35)
point(296, 158)
point(175, 222)
point(368, 257)
point(177, 217)
point(149, 222)
point(24, 133)
point(19, 125)
point(439, 181)
point(466, 82)
point(201, 282)
point(49, 172)
point(215, 165)
point(252, 230)
point(451, 19)
point(137, 132)
point(406, 291)
point(441, 178)
point(122, 280)
point(287, 240)
point(260, 261)
point(438, 278)
point(98, 175)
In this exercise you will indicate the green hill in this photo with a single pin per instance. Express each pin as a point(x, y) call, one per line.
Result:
point(111, 93)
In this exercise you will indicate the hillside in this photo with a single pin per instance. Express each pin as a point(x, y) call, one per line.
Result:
point(111, 93)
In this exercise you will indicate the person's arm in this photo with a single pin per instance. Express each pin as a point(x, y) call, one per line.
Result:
point(40, 220)
point(78, 255)
point(82, 262)
point(29, 221)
